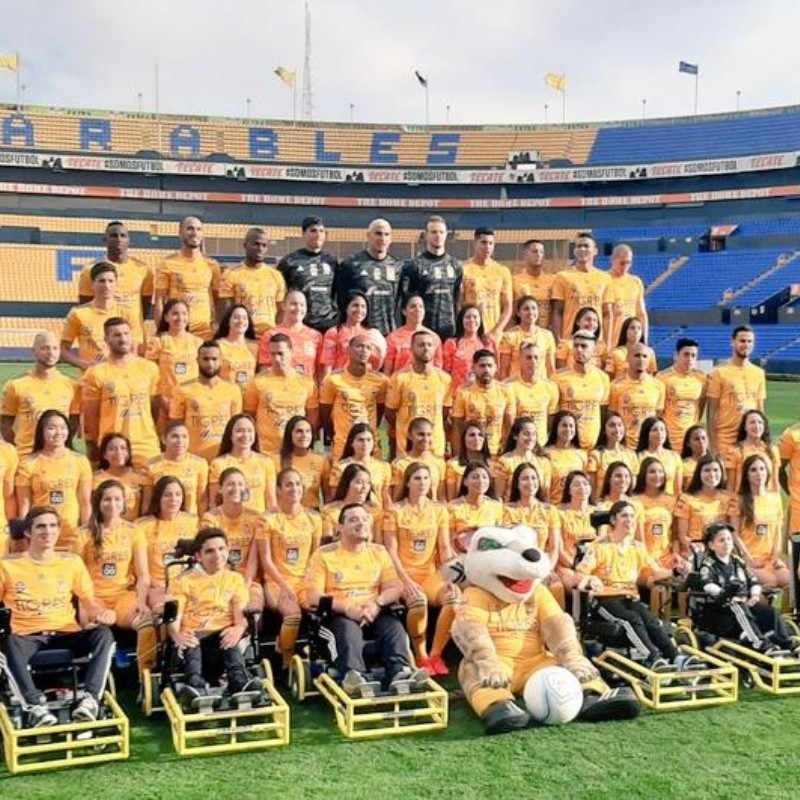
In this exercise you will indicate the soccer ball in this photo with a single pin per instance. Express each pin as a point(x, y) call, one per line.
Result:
point(553, 696)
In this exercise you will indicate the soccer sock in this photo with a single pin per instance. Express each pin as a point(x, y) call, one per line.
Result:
point(146, 646)
point(287, 638)
point(417, 623)
point(441, 636)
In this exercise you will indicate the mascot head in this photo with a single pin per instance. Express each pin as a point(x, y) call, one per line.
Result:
point(505, 562)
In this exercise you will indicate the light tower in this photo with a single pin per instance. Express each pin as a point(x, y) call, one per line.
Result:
point(307, 111)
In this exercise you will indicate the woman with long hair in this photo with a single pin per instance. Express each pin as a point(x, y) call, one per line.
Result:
point(522, 447)
point(473, 446)
point(236, 337)
point(654, 441)
point(359, 448)
point(705, 500)
point(296, 453)
point(587, 319)
point(753, 439)
point(695, 446)
point(419, 447)
point(398, 342)
point(416, 532)
point(575, 511)
point(353, 321)
point(457, 352)
point(116, 463)
point(474, 507)
point(527, 330)
point(564, 452)
point(355, 486)
point(55, 475)
point(631, 333)
point(611, 447)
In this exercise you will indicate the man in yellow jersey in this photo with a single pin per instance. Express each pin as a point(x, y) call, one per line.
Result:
point(119, 395)
point(84, 324)
point(353, 394)
point(487, 284)
point(356, 581)
point(43, 388)
point(733, 388)
point(486, 401)
point(38, 586)
point(206, 404)
point(211, 603)
point(254, 284)
point(533, 397)
point(685, 395)
point(584, 389)
point(421, 391)
point(534, 281)
point(275, 396)
point(582, 286)
point(624, 297)
point(638, 395)
point(789, 446)
point(189, 276)
point(134, 278)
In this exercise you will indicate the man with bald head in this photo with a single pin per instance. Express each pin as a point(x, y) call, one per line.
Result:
point(638, 395)
point(376, 273)
point(44, 387)
point(189, 276)
point(624, 296)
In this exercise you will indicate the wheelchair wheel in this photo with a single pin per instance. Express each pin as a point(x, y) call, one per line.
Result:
point(298, 678)
point(791, 624)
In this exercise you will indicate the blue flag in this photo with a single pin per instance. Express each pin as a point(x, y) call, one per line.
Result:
point(689, 69)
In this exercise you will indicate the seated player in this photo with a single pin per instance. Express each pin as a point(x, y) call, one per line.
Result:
point(357, 581)
point(211, 602)
point(38, 586)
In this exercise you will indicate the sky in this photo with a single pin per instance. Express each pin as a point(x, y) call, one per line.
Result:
point(483, 60)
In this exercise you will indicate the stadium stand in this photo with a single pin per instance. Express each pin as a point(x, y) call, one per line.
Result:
point(716, 340)
point(780, 278)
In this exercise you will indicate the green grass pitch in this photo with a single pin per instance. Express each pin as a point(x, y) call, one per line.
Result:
point(747, 750)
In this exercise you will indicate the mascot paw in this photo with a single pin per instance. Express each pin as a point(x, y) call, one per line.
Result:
point(495, 680)
point(504, 717)
point(620, 703)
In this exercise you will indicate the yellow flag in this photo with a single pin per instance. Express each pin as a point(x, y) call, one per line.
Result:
point(556, 81)
point(9, 61)
point(286, 75)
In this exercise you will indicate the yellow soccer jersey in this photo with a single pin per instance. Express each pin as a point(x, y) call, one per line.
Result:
point(274, 400)
point(315, 471)
point(259, 472)
point(487, 407)
point(353, 399)
point(538, 400)
point(601, 460)
point(540, 288)
point(124, 392)
point(542, 518)
point(740, 452)
point(161, 536)
point(624, 293)
point(206, 409)
point(9, 463)
point(584, 395)
point(176, 357)
point(765, 531)
point(39, 593)
point(512, 340)
point(238, 362)
point(465, 516)
point(683, 396)
point(618, 565)
point(701, 511)
point(789, 448)
point(563, 461)
point(437, 467)
point(348, 576)
point(242, 532)
point(483, 286)
point(413, 395)
point(330, 520)
point(657, 523)
point(616, 363)
point(207, 602)
point(191, 471)
point(635, 401)
point(84, 325)
point(26, 398)
point(380, 474)
point(507, 463)
point(417, 532)
point(112, 568)
point(577, 289)
point(292, 540)
point(259, 289)
point(673, 468)
point(191, 279)
point(576, 526)
point(133, 482)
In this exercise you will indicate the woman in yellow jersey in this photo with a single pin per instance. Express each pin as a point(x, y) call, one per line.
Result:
point(526, 331)
point(174, 350)
point(522, 447)
point(242, 526)
point(575, 513)
point(55, 475)
point(116, 463)
point(291, 534)
point(419, 447)
point(528, 506)
point(654, 441)
point(355, 486)
point(238, 346)
point(756, 514)
point(631, 334)
point(457, 352)
point(753, 438)
point(695, 446)
point(473, 447)
point(611, 446)
point(416, 532)
point(176, 460)
point(704, 501)
point(587, 319)
point(358, 449)
point(314, 468)
point(474, 506)
point(239, 447)
point(115, 554)
point(617, 485)
point(563, 451)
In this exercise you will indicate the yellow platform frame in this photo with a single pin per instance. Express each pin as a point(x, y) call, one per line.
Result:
point(60, 746)
point(778, 676)
point(715, 684)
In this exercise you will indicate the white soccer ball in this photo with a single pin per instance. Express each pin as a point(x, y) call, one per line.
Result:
point(553, 696)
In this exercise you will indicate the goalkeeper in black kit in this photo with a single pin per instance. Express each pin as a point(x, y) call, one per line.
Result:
point(311, 271)
point(436, 276)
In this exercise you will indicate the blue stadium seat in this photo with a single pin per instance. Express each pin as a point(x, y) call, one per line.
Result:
point(649, 233)
point(715, 340)
point(769, 286)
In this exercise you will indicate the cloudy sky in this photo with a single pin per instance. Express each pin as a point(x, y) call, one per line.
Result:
point(485, 60)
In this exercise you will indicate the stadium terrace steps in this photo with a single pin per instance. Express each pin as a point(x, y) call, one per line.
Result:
point(715, 340)
point(649, 233)
point(780, 276)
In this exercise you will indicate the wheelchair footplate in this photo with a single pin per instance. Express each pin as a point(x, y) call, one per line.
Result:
point(776, 673)
point(711, 681)
point(66, 744)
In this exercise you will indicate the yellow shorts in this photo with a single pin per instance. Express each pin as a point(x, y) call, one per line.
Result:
point(272, 594)
point(431, 583)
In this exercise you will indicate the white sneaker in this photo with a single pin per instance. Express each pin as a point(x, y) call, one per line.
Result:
point(41, 717)
point(87, 710)
point(352, 682)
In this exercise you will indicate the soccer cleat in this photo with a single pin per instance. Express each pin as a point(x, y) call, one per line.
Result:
point(41, 717)
point(505, 716)
point(353, 682)
point(438, 667)
point(619, 703)
point(86, 711)
point(428, 664)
